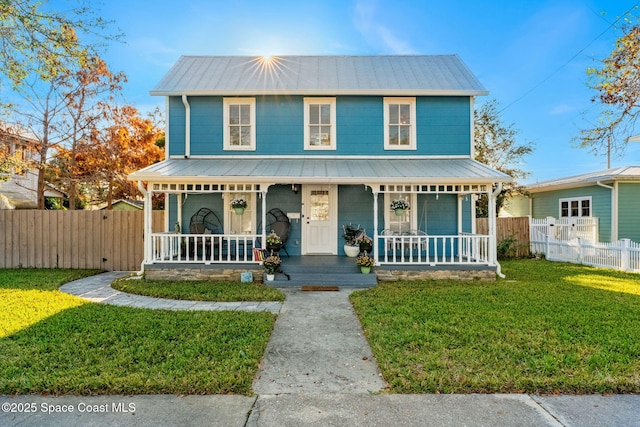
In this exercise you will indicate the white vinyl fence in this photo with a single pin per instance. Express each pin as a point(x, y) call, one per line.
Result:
point(575, 243)
point(564, 228)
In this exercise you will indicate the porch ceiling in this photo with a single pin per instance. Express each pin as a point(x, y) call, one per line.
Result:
point(321, 170)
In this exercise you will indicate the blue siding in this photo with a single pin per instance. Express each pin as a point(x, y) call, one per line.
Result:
point(355, 205)
point(176, 126)
point(206, 132)
point(279, 125)
point(442, 214)
point(360, 125)
point(281, 197)
point(443, 126)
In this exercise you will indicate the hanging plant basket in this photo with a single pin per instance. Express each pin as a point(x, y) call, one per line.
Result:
point(239, 211)
point(399, 206)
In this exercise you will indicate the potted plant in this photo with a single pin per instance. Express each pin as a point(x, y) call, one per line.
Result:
point(270, 265)
point(274, 242)
point(366, 263)
point(350, 234)
point(239, 204)
point(364, 242)
point(399, 206)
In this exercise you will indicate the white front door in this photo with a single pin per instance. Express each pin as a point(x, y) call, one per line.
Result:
point(319, 223)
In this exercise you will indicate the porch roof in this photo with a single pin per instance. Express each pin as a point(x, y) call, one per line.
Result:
point(284, 170)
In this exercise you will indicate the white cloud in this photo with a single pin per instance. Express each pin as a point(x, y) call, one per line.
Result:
point(375, 33)
point(562, 109)
point(154, 51)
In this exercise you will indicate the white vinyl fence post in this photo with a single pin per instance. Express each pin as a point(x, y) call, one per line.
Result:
point(625, 254)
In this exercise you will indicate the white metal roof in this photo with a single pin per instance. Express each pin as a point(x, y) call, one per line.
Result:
point(626, 173)
point(320, 75)
point(321, 170)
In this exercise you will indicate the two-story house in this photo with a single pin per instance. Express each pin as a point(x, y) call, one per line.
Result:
point(329, 141)
point(19, 187)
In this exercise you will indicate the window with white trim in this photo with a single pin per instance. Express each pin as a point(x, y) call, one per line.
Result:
point(319, 123)
point(239, 122)
point(399, 224)
point(239, 224)
point(575, 207)
point(399, 123)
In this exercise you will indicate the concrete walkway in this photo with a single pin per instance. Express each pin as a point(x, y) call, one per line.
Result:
point(317, 371)
point(98, 289)
point(317, 346)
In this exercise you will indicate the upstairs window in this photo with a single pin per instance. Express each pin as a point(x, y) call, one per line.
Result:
point(319, 123)
point(239, 121)
point(400, 123)
point(575, 207)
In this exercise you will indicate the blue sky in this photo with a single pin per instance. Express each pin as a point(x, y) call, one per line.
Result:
point(530, 55)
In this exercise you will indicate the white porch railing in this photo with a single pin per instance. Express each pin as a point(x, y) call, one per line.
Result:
point(202, 248)
point(434, 250)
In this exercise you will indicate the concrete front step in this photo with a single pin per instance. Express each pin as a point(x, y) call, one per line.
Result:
point(354, 280)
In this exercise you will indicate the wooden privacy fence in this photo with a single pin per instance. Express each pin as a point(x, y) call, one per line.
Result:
point(109, 240)
point(516, 228)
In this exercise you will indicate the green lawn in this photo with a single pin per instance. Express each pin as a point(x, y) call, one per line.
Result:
point(51, 342)
point(546, 328)
point(200, 290)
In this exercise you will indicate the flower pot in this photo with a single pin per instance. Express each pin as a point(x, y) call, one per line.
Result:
point(366, 247)
point(351, 251)
point(365, 270)
point(399, 212)
point(238, 211)
point(273, 248)
point(271, 277)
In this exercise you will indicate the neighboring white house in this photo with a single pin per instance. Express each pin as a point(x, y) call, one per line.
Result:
point(20, 190)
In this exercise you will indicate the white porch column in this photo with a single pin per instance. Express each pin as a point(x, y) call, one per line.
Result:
point(263, 195)
point(491, 218)
point(147, 216)
point(179, 210)
point(375, 224)
point(460, 197)
point(493, 249)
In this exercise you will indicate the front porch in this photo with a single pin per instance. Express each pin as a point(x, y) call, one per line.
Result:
point(316, 198)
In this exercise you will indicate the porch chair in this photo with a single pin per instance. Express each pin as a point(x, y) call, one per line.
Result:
point(204, 221)
point(278, 222)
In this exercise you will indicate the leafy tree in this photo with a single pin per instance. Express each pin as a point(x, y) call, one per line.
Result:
point(127, 143)
point(617, 86)
point(38, 40)
point(496, 145)
point(85, 88)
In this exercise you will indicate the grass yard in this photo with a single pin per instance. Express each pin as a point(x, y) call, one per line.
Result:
point(200, 290)
point(55, 343)
point(546, 328)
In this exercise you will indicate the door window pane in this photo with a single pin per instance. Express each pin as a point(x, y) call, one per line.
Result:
point(319, 205)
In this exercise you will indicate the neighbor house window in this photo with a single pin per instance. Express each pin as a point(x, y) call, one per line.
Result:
point(575, 207)
point(319, 123)
point(400, 123)
point(239, 121)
